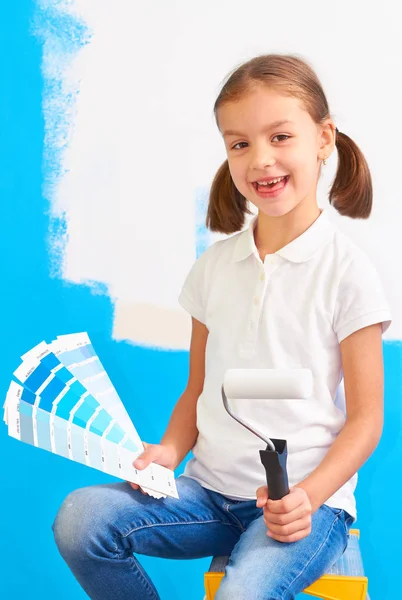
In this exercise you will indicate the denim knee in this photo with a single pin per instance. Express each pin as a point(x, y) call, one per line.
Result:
point(239, 585)
point(80, 525)
point(241, 590)
point(229, 592)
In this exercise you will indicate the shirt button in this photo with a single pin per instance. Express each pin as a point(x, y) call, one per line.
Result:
point(262, 276)
point(256, 300)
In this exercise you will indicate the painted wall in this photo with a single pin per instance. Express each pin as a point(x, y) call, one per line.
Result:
point(107, 150)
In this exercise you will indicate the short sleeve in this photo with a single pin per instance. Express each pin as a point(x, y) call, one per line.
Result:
point(194, 293)
point(360, 299)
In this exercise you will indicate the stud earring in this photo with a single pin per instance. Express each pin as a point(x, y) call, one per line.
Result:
point(324, 162)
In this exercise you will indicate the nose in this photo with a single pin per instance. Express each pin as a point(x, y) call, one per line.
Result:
point(262, 157)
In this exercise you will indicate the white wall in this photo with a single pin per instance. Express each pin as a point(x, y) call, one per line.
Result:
point(142, 139)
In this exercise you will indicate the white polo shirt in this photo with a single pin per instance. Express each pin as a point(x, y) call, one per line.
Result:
point(290, 311)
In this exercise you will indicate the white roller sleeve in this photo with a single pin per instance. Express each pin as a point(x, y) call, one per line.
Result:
point(269, 384)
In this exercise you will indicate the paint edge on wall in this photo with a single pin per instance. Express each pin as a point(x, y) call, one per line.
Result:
point(62, 34)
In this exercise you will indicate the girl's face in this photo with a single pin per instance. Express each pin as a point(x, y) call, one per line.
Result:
point(268, 135)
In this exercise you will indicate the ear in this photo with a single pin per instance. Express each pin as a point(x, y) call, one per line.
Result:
point(326, 139)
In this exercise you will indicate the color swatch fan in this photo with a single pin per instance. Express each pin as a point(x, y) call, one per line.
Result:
point(66, 403)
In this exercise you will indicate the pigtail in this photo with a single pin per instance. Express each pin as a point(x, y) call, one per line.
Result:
point(227, 207)
point(352, 191)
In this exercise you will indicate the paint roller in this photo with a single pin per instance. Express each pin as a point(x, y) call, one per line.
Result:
point(268, 384)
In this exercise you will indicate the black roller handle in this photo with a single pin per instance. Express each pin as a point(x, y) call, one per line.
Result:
point(275, 469)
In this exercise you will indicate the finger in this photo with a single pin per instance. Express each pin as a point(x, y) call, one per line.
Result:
point(138, 458)
point(295, 537)
point(150, 454)
point(135, 486)
point(285, 518)
point(141, 455)
point(290, 528)
point(138, 463)
point(285, 505)
point(262, 496)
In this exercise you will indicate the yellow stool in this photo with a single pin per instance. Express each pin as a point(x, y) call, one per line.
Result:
point(344, 581)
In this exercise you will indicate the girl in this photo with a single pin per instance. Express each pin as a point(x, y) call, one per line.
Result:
point(289, 291)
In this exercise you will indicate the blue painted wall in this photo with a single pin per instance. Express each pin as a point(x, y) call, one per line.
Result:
point(35, 307)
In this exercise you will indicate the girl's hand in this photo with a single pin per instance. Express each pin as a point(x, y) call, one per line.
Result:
point(157, 453)
point(288, 519)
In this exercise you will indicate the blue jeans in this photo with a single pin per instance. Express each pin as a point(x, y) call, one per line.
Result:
point(100, 529)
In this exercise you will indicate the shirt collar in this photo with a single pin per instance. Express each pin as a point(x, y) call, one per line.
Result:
point(299, 250)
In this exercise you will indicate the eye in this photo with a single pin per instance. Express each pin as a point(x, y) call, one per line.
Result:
point(282, 136)
point(234, 147)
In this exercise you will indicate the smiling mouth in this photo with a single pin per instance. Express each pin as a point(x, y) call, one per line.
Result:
point(279, 182)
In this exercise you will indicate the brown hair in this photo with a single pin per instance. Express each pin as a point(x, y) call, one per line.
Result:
point(351, 192)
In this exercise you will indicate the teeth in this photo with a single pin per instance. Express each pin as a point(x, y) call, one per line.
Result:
point(271, 182)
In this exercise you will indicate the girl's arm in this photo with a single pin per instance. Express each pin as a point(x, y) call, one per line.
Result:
point(363, 370)
point(181, 433)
